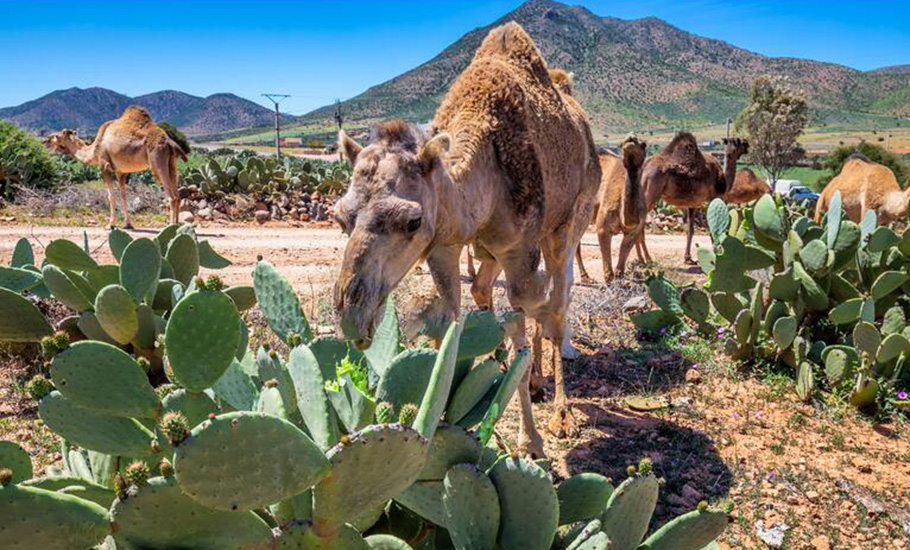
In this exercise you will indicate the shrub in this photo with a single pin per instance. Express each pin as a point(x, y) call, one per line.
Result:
point(23, 160)
point(176, 135)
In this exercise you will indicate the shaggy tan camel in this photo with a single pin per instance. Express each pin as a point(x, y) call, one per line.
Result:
point(684, 177)
point(511, 168)
point(131, 143)
point(865, 185)
point(747, 187)
point(620, 205)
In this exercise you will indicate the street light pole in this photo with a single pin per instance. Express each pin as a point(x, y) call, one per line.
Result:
point(276, 99)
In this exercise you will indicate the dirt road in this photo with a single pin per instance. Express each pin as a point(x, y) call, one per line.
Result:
point(309, 256)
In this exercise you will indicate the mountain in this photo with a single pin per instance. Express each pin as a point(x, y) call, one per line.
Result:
point(639, 74)
point(894, 69)
point(86, 109)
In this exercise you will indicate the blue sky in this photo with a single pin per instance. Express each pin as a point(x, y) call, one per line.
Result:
point(319, 50)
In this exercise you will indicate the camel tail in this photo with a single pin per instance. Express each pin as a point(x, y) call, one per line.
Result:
point(177, 149)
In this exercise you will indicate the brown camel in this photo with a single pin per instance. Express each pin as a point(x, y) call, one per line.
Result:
point(865, 185)
point(511, 168)
point(620, 205)
point(131, 143)
point(747, 187)
point(684, 177)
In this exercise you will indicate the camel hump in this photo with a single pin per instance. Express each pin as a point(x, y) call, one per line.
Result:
point(562, 80)
point(137, 113)
point(683, 157)
point(512, 43)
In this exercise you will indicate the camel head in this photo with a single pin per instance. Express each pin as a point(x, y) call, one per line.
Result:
point(64, 142)
point(735, 148)
point(634, 152)
point(389, 214)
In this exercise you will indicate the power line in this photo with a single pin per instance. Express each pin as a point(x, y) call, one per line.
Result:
point(276, 99)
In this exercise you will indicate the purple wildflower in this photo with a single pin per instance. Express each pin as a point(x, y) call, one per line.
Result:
point(902, 395)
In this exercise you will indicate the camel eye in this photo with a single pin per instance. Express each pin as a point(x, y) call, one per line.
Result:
point(414, 224)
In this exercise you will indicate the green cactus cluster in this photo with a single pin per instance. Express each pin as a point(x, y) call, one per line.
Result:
point(827, 300)
point(265, 175)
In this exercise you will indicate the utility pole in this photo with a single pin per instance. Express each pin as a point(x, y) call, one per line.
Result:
point(276, 99)
point(729, 121)
point(339, 114)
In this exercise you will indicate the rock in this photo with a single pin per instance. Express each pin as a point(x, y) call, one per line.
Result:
point(691, 494)
point(821, 542)
point(185, 217)
point(203, 204)
point(772, 536)
point(681, 402)
point(693, 376)
point(294, 214)
point(259, 205)
point(812, 496)
point(636, 303)
point(261, 216)
point(205, 213)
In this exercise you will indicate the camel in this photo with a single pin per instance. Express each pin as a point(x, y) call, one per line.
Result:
point(747, 187)
point(131, 143)
point(509, 166)
point(865, 185)
point(620, 205)
point(684, 177)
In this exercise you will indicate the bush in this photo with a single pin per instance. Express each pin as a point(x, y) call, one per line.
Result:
point(176, 135)
point(23, 160)
point(74, 171)
point(876, 153)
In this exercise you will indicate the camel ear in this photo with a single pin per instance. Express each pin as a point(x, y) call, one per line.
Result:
point(349, 147)
point(433, 150)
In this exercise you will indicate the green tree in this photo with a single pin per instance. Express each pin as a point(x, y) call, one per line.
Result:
point(176, 135)
point(876, 153)
point(23, 160)
point(773, 121)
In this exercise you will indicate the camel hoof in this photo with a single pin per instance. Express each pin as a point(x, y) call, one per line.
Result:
point(690, 261)
point(562, 423)
point(128, 225)
point(531, 445)
point(536, 389)
point(586, 279)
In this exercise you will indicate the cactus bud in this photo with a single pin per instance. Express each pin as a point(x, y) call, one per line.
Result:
point(164, 390)
point(166, 468)
point(48, 347)
point(385, 413)
point(345, 440)
point(120, 486)
point(408, 414)
point(138, 474)
point(174, 425)
point(501, 354)
point(258, 257)
point(645, 466)
point(61, 340)
point(38, 387)
point(294, 340)
point(631, 470)
point(703, 506)
point(266, 346)
point(273, 383)
point(214, 282)
point(144, 363)
point(6, 477)
point(661, 481)
point(273, 354)
point(199, 283)
point(212, 416)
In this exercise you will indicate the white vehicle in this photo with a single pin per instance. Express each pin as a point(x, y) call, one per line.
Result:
point(785, 187)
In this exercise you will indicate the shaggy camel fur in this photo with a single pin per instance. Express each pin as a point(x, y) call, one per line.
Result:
point(865, 185)
point(511, 169)
point(747, 187)
point(620, 205)
point(684, 177)
point(131, 143)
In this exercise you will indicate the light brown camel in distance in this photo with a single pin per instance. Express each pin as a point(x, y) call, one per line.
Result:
point(865, 185)
point(620, 206)
point(511, 168)
point(131, 143)
point(684, 177)
point(747, 187)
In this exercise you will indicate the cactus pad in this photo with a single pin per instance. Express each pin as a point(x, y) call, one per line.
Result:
point(438, 389)
point(424, 498)
point(140, 267)
point(21, 321)
point(210, 259)
point(892, 347)
point(202, 337)
point(62, 286)
point(196, 407)
point(23, 254)
point(481, 335)
point(244, 296)
point(15, 458)
point(279, 303)
point(302, 536)
point(472, 389)
point(866, 338)
point(664, 294)
point(98, 432)
point(35, 518)
point(314, 407)
point(784, 331)
point(583, 497)
point(386, 542)
point(214, 465)
point(888, 282)
point(68, 255)
point(17, 279)
point(75, 486)
point(450, 446)
point(530, 507)
point(368, 468)
point(159, 515)
point(331, 351)
point(718, 219)
point(472, 509)
point(627, 515)
point(118, 240)
point(385, 344)
point(692, 531)
point(506, 389)
point(105, 379)
point(116, 312)
point(236, 388)
point(695, 304)
point(407, 376)
point(183, 255)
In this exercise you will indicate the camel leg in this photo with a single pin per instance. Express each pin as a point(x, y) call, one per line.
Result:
point(690, 213)
point(604, 237)
point(472, 273)
point(482, 287)
point(443, 263)
point(625, 248)
point(164, 166)
point(109, 177)
point(642, 244)
point(530, 443)
point(582, 272)
point(122, 180)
